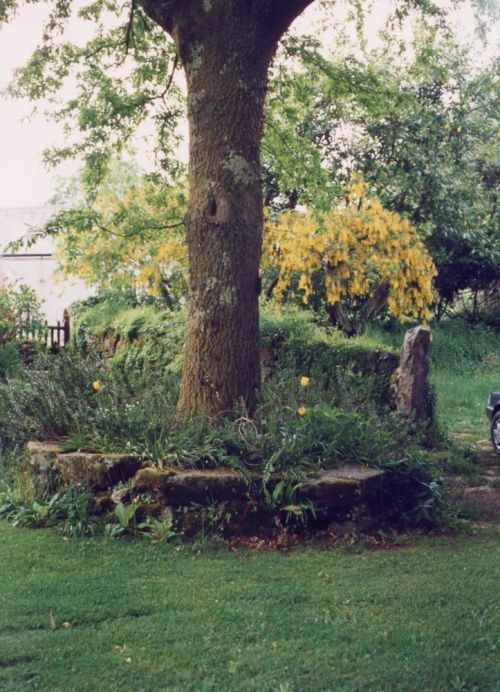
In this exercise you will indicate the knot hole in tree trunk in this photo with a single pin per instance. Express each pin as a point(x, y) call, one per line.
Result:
point(212, 208)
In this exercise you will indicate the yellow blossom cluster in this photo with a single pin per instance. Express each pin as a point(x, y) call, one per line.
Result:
point(351, 252)
point(169, 258)
point(136, 241)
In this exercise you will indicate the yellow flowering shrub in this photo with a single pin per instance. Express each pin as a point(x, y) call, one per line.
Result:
point(349, 255)
point(134, 239)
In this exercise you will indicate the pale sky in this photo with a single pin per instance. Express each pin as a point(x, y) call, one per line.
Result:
point(23, 179)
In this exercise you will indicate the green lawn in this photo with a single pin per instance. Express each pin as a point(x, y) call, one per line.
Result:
point(142, 618)
point(461, 401)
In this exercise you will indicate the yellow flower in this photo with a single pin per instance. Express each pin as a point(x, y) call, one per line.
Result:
point(304, 381)
point(96, 385)
point(301, 411)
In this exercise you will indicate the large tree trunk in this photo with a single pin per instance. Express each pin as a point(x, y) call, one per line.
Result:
point(226, 48)
point(224, 226)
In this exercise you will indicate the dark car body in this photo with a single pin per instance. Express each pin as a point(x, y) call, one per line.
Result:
point(493, 405)
point(493, 413)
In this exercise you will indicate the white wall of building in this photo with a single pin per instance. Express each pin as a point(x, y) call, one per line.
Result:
point(39, 274)
point(38, 270)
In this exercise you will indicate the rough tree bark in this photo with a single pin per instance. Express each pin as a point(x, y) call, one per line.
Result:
point(226, 47)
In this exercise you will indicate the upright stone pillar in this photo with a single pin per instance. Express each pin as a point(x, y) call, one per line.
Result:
point(413, 393)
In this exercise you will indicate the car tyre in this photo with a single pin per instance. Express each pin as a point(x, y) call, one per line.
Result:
point(495, 432)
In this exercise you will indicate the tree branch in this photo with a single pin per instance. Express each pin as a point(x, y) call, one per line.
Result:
point(375, 303)
point(164, 12)
point(170, 79)
point(272, 286)
point(130, 26)
point(138, 231)
point(277, 15)
point(339, 318)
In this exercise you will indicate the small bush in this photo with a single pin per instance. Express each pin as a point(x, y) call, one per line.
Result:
point(10, 360)
point(413, 491)
point(71, 512)
point(17, 303)
point(69, 394)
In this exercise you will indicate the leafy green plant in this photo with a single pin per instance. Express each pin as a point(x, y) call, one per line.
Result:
point(10, 360)
point(18, 304)
point(10, 500)
point(125, 524)
point(36, 514)
point(209, 519)
point(125, 518)
point(112, 531)
point(158, 530)
point(413, 491)
point(72, 513)
point(282, 501)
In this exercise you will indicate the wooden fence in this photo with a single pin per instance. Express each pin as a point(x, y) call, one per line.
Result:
point(54, 337)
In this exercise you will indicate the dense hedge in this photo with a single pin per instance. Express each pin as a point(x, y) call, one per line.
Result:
point(299, 345)
point(292, 343)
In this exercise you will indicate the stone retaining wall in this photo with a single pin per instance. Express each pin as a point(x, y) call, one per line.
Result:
point(190, 495)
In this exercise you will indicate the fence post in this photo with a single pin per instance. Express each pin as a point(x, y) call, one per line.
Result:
point(55, 336)
point(67, 327)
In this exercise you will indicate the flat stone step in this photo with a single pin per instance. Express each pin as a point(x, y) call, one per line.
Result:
point(35, 447)
point(339, 488)
point(85, 470)
point(178, 487)
point(42, 457)
point(343, 487)
point(96, 471)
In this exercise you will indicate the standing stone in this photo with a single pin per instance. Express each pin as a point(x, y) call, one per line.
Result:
point(413, 393)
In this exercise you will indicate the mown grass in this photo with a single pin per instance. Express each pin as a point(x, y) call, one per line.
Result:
point(461, 401)
point(422, 618)
point(466, 368)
